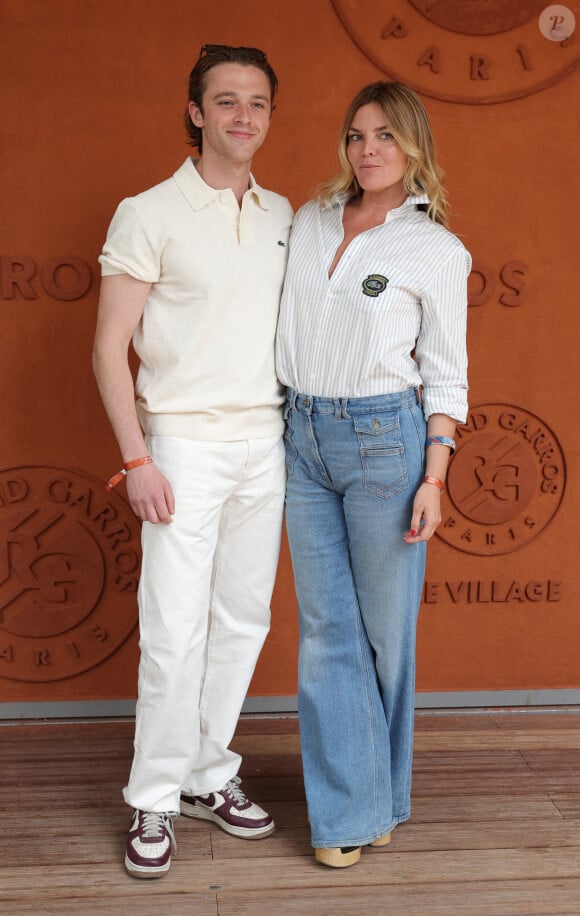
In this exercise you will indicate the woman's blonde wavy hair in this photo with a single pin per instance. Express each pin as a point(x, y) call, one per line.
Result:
point(409, 124)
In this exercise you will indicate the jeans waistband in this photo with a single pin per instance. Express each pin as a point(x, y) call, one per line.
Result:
point(344, 407)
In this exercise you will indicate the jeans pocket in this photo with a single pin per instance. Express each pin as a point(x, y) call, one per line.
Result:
point(382, 453)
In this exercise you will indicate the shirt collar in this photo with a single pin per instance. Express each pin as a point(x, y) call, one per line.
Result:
point(199, 194)
point(410, 204)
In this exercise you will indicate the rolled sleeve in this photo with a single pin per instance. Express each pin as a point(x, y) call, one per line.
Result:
point(441, 346)
point(129, 248)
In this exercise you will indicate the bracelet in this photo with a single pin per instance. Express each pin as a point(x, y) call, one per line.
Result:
point(436, 483)
point(441, 440)
point(128, 466)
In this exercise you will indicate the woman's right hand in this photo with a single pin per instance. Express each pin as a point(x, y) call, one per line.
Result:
point(426, 514)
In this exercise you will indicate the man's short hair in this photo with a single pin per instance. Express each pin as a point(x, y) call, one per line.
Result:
point(210, 56)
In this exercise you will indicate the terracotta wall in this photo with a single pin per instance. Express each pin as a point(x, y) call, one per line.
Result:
point(92, 95)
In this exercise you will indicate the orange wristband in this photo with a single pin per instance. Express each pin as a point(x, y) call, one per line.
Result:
point(117, 478)
point(436, 482)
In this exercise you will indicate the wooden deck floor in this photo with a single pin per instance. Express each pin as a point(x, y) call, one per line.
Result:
point(495, 827)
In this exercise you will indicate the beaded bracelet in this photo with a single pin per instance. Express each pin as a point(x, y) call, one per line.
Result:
point(436, 482)
point(441, 440)
point(128, 466)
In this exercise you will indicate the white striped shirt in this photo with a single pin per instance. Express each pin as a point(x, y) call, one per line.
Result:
point(398, 289)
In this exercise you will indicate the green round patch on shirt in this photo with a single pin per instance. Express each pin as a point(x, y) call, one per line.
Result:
point(374, 284)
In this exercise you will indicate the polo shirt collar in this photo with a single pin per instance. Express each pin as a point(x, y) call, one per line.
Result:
point(258, 193)
point(199, 194)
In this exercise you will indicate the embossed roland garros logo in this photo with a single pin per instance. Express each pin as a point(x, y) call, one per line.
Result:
point(461, 50)
point(69, 567)
point(505, 482)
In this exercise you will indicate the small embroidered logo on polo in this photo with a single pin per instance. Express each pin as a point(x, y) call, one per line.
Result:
point(374, 285)
point(283, 244)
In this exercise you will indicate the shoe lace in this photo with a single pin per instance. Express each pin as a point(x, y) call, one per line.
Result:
point(153, 825)
point(234, 790)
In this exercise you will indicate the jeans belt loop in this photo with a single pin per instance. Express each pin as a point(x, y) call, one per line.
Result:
point(337, 408)
point(290, 405)
point(343, 411)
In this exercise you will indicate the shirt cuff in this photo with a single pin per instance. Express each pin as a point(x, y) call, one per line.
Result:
point(450, 401)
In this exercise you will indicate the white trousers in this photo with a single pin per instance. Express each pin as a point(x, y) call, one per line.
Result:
point(204, 612)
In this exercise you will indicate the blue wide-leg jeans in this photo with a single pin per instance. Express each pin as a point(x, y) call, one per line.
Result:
point(354, 465)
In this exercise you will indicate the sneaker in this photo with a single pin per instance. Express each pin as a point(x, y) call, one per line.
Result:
point(149, 844)
point(231, 810)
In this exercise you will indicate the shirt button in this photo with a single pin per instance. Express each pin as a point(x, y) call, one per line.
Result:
point(224, 199)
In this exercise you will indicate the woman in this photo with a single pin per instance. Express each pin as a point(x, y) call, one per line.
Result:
point(371, 344)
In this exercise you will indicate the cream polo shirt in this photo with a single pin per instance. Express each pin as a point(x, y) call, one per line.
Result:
point(206, 337)
point(391, 317)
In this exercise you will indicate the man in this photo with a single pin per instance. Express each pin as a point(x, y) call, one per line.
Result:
point(192, 273)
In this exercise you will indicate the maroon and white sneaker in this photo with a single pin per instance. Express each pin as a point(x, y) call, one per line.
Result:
point(231, 810)
point(149, 844)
